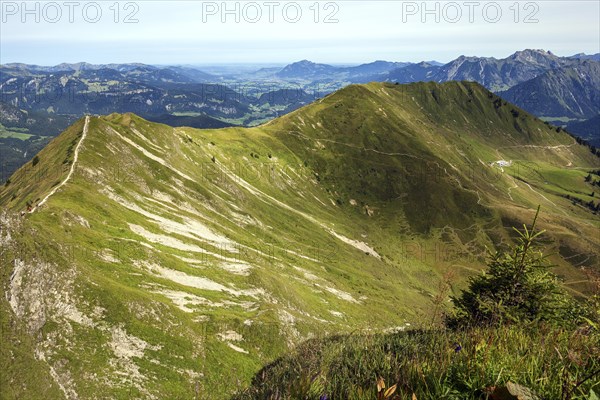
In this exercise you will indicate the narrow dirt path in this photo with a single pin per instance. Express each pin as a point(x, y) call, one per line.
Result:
point(75, 157)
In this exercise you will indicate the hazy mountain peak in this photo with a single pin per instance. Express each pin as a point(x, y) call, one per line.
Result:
point(534, 55)
point(304, 69)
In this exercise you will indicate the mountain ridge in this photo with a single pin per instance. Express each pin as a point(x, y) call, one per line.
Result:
point(245, 241)
point(572, 91)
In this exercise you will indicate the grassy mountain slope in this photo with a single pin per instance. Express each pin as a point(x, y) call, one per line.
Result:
point(200, 121)
point(173, 260)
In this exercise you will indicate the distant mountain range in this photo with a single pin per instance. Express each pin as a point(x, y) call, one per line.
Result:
point(421, 72)
point(307, 70)
point(495, 74)
point(572, 91)
point(498, 74)
point(536, 80)
point(557, 88)
point(583, 56)
point(143, 71)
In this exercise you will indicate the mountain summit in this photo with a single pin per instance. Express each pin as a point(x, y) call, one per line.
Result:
point(305, 69)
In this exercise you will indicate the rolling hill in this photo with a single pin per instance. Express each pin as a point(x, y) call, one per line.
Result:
point(145, 261)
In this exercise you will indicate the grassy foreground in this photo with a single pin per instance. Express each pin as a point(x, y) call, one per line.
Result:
point(514, 334)
point(554, 363)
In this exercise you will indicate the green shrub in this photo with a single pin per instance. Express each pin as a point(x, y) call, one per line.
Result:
point(517, 287)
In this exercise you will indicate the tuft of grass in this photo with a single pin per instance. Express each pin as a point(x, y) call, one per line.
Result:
point(555, 363)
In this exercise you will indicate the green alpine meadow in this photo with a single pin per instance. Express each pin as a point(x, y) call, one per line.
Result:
point(387, 241)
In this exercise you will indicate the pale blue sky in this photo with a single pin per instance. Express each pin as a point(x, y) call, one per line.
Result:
point(192, 32)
